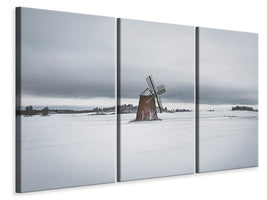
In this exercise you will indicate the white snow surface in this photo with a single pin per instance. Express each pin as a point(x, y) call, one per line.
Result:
point(65, 150)
point(227, 140)
point(157, 148)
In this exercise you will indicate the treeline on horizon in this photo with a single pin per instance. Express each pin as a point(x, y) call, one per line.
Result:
point(244, 108)
point(130, 108)
point(123, 109)
point(29, 111)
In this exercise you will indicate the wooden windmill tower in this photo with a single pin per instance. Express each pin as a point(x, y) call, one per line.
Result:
point(147, 110)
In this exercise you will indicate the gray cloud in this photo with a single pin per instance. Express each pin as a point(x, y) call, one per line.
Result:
point(228, 72)
point(165, 51)
point(73, 55)
point(67, 55)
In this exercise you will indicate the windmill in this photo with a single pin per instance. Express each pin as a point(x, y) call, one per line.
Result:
point(147, 107)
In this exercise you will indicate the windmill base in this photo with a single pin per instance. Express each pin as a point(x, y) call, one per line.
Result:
point(146, 111)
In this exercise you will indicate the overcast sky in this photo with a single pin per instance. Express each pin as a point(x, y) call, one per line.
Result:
point(166, 51)
point(67, 56)
point(228, 66)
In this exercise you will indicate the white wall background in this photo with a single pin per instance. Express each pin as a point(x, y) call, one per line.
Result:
point(242, 15)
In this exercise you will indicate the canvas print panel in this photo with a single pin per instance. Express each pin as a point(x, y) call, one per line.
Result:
point(156, 99)
point(228, 100)
point(66, 134)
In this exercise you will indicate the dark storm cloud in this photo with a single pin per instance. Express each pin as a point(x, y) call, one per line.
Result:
point(228, 67)
point(67, 55)
point(165, 51)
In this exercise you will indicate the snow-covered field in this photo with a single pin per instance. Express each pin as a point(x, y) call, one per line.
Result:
point(64, 150)
point(228, 139)
point(157, 148)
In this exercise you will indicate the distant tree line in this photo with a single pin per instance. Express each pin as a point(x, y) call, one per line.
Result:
point(29, 111)
point(108, 109)
point(244, 108)
point(183, 110)
point(130, 108)
point(126, 108)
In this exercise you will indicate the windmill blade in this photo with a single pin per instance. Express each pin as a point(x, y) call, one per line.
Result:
point(150, 99)
point(158, 101)
point(151, 84)
point(160, 105)
point(161, 89)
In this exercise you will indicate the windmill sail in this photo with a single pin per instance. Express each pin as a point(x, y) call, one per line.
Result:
point(160, 104)
point(158, 101)
point(161, 89)
point(150, 83)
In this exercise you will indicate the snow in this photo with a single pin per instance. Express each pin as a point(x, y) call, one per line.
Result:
point(64, 150)
point(228, 139)
point(157, 148)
